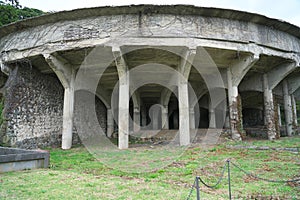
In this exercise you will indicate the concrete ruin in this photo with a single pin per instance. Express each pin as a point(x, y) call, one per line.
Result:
point(257, 58)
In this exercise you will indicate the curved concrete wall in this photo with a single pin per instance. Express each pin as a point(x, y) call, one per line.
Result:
point(156, 25)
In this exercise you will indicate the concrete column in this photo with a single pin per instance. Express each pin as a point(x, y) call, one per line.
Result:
point(66, 74)
point(136, 119)
point(212, 117)
point(154, 119)
point(192, 119)
point(165, 117)
point(269, 109)
point(279, 115)
point(68, 114)
point(184, 118)
point(288, 113)
point(295, 120)
point(123, 116)
point(110, 123)
point(233, 107)
point(227, 121)
point(144, 116)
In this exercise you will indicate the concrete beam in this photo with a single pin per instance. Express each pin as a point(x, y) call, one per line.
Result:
point(49, 48)
point(241, 67)
point(276, 75)
point(123, 120)
point(187, 62)
point(61, 68)
point(294, 83)
point(4, 68)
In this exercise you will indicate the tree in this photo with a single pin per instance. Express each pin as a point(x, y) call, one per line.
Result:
point(14, 3)
point(11, 11)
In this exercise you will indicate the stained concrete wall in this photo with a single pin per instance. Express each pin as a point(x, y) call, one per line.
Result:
point(147, 25)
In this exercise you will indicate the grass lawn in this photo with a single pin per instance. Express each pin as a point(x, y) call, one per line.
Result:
point(77, 174)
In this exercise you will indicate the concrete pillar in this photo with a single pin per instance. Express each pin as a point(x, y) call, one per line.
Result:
point(212, 117)
point(295, 120)
point(110, 123)
point(269, 109)
point(68, 114)
point(136, 119)
point(123, 114)
point(192, 119)
point(233, 107)
point(227, 121)
point(154, 118)
point(184, 118)
point(279, 115)
point(288, 113)
point(144, 116)
point(165, 117)
point(66, 74)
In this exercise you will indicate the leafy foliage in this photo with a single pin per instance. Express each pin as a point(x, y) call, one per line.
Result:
point(11, 11)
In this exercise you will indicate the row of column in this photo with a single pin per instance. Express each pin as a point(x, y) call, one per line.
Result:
point(186, 115)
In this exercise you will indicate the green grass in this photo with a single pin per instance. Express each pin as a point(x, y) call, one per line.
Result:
point(283, 142)
point(77, 174)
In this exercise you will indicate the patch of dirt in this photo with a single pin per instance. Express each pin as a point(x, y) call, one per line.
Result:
point(249, 179)
point(178, 164)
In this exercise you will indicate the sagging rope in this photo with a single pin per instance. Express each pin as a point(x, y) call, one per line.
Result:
point(227, 164)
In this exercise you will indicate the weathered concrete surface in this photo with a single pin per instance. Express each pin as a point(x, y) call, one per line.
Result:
point(241, 45)
point(16, 159)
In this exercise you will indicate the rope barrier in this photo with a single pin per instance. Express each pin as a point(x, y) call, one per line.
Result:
point(219, 180)
point(264, 179)
point(227, 165)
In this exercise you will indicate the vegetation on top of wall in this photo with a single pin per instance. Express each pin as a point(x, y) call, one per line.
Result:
point(11, 11)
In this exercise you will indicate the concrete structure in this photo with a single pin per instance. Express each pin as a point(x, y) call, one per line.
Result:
point(257, 58)
point(17, 159)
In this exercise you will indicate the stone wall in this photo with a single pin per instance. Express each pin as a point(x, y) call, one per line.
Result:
point(32, 109)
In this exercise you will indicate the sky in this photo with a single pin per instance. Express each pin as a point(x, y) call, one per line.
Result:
point(286, 10)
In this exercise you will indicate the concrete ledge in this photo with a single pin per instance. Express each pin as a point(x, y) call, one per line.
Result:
point(12, 159)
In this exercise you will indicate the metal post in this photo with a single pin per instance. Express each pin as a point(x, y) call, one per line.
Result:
point(229, 185)
point(197, 188)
